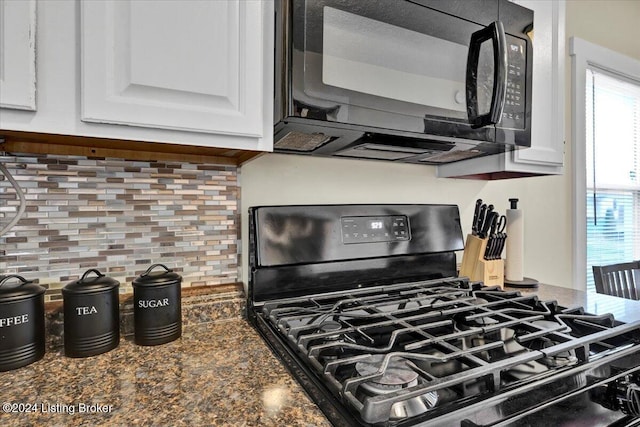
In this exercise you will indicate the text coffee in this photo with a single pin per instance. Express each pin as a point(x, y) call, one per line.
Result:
point(15, 320)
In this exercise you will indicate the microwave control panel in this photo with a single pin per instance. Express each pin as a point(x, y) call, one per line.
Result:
point(373, 229)
point(513, 114)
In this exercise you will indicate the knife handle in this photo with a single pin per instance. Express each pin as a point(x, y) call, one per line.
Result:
point(481, 216)
point(485, 227)
point(493, 220)
point(487, 250)
point(476, 212)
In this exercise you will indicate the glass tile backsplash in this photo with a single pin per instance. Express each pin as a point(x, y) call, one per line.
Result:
point(119, 216)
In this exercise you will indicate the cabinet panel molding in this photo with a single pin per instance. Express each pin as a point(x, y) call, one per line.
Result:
point(17, 54)
point(182, 65)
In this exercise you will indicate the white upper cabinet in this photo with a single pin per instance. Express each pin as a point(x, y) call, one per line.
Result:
point(185, 72)
point(546, 154)
point(191, 65)
point(17, 54)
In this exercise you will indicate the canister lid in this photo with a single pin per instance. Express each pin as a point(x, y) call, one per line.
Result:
point(157, 278)
point(12, 290)
point(89, 285)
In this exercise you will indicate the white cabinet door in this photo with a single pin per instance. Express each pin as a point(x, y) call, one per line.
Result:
point(546, 154)
point(17, 54)
point(187, 65)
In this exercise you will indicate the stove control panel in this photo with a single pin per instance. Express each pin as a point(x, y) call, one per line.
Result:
point(372, 229)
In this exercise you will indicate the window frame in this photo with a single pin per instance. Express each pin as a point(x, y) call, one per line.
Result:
point(585, 55)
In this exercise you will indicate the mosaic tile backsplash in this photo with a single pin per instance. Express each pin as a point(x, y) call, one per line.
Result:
point(120, 217)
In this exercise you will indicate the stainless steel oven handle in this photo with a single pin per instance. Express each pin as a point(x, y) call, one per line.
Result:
point(494, 32)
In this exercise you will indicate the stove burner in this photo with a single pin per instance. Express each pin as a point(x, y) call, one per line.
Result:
point(561, 359)
point(397, 375)
point(330, 326)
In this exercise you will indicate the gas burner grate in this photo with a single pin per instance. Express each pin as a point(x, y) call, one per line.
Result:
point(449, 340)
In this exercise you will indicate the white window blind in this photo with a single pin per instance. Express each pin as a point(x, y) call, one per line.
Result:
point(612, 169)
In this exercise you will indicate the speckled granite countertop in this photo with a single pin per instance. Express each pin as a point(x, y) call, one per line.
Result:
point(622, 309)
point(219, 374)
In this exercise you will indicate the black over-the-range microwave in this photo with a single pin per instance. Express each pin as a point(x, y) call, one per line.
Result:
point(418, 81)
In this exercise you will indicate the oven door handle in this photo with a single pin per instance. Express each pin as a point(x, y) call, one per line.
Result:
point(494, 32)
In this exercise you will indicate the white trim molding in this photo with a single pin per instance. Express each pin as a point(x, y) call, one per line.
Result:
point(583, 56)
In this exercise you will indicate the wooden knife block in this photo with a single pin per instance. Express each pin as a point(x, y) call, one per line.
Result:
point(476, 268)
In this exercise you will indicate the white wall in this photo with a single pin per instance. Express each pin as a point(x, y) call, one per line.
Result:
point(275, 179)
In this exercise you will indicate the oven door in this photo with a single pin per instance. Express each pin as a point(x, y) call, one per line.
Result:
point(421, 66)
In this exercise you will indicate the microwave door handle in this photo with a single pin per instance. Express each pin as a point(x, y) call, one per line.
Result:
point(494, 32)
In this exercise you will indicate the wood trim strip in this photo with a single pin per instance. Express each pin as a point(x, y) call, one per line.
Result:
point(37, 143)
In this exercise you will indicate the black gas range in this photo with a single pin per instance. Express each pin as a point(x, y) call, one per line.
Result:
point(363, 306)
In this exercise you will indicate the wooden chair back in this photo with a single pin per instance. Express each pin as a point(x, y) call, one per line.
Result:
point(620, 280)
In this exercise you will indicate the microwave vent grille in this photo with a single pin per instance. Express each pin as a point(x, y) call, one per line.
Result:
point(299, 141)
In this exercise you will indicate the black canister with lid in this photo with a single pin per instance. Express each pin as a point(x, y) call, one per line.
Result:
point(157, 311)
point(91, 315)
point(21, 322)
